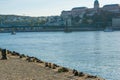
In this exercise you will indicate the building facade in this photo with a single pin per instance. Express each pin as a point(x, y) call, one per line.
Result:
point(79, 12)
point(116, 22)
point(112, 8)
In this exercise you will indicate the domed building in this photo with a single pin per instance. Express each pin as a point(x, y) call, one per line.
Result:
point(79, 12)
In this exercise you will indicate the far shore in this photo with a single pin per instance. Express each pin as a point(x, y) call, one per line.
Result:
point(16, 66)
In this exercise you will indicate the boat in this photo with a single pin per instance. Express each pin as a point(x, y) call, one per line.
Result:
point(108, 30)
point(67, 30)
point(13, 33)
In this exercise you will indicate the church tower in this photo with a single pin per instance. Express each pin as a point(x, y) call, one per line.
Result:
point(96, 5)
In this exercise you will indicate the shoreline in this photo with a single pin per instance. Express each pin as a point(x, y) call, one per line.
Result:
point(66, 73)
point(58, 31)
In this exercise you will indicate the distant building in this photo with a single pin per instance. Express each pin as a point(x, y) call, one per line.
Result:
point(65, 14)
point(112, 8)
point(116, 22)
point(78, 11)
point(91, 12)
point(69, 22)
point(54, 21)
point(42, 18)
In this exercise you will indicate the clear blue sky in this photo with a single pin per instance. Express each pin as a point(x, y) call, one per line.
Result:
point(45, 7)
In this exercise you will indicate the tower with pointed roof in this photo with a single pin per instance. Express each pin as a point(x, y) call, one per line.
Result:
point(96, 5)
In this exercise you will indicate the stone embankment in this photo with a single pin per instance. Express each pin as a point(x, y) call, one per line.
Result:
point(16, 66)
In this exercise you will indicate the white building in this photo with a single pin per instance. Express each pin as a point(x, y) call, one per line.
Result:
point(116, 22)
point(54, 21)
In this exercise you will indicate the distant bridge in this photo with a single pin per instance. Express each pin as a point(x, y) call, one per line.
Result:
point(32, 28)
point(50, 28)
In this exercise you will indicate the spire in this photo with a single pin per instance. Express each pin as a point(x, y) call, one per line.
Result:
point(96, 4)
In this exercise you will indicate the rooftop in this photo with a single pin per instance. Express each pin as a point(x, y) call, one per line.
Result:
point(79, 8)
point(116, 5)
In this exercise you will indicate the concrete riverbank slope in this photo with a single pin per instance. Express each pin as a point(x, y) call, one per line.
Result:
point(15, 66)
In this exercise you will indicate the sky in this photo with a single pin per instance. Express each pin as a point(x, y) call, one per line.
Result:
point(45, 7)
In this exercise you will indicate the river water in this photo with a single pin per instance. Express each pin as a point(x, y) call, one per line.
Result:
point(94, 52)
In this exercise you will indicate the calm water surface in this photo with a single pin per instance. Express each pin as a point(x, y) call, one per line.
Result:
point(97, 53)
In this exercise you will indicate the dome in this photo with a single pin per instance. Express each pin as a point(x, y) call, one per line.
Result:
point(96, 2)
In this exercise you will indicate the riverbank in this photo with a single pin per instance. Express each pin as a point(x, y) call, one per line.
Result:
point(22, 67)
